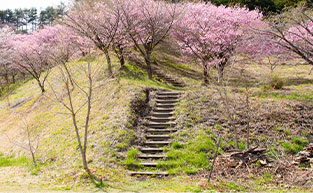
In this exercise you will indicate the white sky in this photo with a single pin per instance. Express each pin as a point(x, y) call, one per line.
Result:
point(39, 4)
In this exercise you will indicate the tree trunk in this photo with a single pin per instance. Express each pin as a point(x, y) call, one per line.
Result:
point(68, 73)
point(220, 69)
point(6, 76)
point(13, 79)
point(41, 85)
point(42, 89)
point(82, 150)
point(148, 62)
point(122, 61)
point(107, 55)
point(120, 54)
point(205, 74)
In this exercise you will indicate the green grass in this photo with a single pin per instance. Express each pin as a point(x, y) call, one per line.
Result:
point(297, 144)
point(131, 162)
point(291, 96)
point(137, 76)
point(12, 87)
point(241, 145)
point(12, 161)
point(179, 66)
point(191, 157)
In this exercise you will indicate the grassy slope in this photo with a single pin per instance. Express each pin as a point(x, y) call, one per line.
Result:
point(277, 123)
point(111, 131)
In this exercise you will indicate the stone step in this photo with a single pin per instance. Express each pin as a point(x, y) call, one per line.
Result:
point(166, 101)
point(170, 105)
point(161, 76)
point(161, 119)
point(167, 97)
point(169, 79)
point(163, 110)
point(153, 164)
point(152, 156)
point(166, 93)
point(156, 125)
point(160, 131)
point(178, 84)
point(155, 114)
point(149, 174)
point(157, 143)
point(159, 137)
point(151, 150)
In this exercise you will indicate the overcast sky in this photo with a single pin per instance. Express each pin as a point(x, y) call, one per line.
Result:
point(13, 4)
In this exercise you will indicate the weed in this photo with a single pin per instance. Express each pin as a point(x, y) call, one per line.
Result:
point(177, 145)
point(287, 132)
point(305, 165)
point(300, 141)
point(121, 146)
point(132, 153)
point(218, 127)
point(131, 161)
point(241, 145)
point(295, 146)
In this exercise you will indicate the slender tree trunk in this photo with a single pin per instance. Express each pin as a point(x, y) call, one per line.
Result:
point(41, 85)
point(249, 118)
point(82, 150)
point(30, 147)
point(205, 74)
point(148, 62)
point(13, 79)
point(120, 54)
point(122, 61)
point(107, 55)
point(220, 70)
point(215, 156)
point(68, 73)
point(6, 76)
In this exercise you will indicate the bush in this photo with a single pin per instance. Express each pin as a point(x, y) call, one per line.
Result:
point(276, 82)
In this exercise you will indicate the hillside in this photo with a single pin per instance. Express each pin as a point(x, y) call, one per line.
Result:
point(279, 119)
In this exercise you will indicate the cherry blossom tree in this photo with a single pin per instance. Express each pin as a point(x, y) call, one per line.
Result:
point(97, 22)
point(293, 32)
point(260, 49)
point(6, 69)
point(31, 57)
point(66, 46)
point(147, 23)
point(213, 34)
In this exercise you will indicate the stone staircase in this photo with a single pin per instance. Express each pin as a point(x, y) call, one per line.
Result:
point(168, 79)
point(158, 133)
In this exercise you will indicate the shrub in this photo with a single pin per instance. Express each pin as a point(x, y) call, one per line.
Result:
point(276, 82)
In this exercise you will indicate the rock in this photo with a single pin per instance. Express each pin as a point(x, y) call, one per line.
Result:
point(263, 162)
